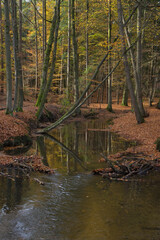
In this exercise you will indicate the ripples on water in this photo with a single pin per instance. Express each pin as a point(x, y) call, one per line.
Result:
point(74, 204)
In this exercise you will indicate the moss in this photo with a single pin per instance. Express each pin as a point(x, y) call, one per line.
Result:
point(17, 141)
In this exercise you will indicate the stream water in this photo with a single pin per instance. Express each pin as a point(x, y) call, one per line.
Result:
point(73, 204)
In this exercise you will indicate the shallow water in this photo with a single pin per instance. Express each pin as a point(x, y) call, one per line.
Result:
point(74, 204)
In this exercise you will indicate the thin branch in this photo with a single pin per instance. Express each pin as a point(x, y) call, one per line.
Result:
point(39, 12)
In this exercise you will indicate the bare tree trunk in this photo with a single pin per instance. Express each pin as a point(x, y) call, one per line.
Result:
point(1, 49)
point(153, 81)
point(139, 60)
point(69, 49)
point(44, 28)
point(118, 94)
point(36, 42)
point(61, 81)
point(21, 94)
point(109, 107)
point(18, 98)
point(47, 58)
point(139, 117)
point(47, 87)
point(125, 95)
point(87, 41)
point(75, 57)
point(15, 48)
point(8, 59)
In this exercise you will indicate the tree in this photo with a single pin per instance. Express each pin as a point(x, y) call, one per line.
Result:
point(75, 56)
point(18, 96)
point(109, 107)
point(47, 57)
point(44, 28)
point(48, 84)
point(8, 59)
point(1, 49)
point(139, 60)
point(36, 45)
point(139, 117)
point(69, 49)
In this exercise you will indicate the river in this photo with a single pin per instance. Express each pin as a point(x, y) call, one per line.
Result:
point(74, 204)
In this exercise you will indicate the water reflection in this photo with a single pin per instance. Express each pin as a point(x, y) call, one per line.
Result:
point(77, 146)
point(73, 204)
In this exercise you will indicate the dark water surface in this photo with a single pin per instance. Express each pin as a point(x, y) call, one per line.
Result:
point(74, 204)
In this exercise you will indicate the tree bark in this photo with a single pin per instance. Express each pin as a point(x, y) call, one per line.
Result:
point(1, 49)
point(69, 49)
point(139, 60)
point(8, 59)
point(47, 87)
point(139, 117)
point(109, 89)
point(21, 94)
point(75, 57)
point(125, 95)
point(44, 28)
point(153, 81)
point(36, 46)
point(17, 63)
point(47, 58)
point(87, 41)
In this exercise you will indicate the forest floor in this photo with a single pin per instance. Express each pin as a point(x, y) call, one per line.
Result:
point(24, 123)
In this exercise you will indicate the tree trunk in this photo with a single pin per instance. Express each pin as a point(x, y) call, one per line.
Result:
point(118, 94)
point(44, 28)
point(47, 87)
point(8, 59)
point(47, 58)
point(139, 117)
point(15, 48)
point(69, 49)
point(17, 61)
point(75, 57)
point(61, 81)
point(79, 103)
point(87, 42)
point(36, 47)
point(1, 49)
point(153, 81)
point(139, 60)
point(109, 107)
point(125, 95)
point(21, 94)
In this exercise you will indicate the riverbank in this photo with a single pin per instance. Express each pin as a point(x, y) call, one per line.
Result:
point(16, 135)
point(25, 124)
point(124, 124)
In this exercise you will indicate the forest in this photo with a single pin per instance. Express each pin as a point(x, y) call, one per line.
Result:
point(79, 116)
point(56, 47)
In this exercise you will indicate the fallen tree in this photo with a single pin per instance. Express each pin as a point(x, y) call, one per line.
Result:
point(82, 100)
